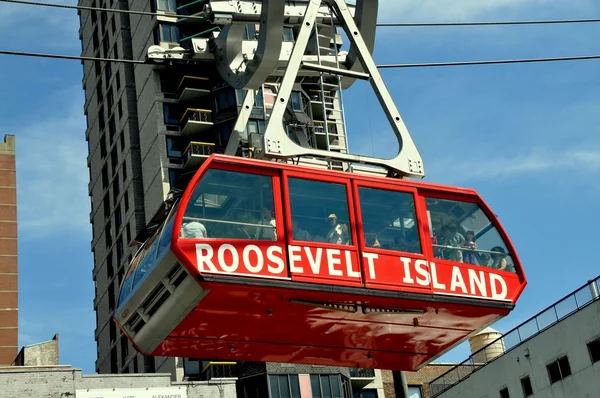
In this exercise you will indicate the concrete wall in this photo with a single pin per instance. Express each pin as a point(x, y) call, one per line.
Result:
point(568, 337)
point(62, 381)
point(8, 253)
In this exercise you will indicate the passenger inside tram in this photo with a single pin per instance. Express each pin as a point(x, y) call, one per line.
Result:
point(462, 232)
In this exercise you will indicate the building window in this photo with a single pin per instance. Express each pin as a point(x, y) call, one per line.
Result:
point(167, 33)
point(128, 233)
point(112, 25)
point(124, 168)
point(169, 118)
point(504, 393)
point(103, 146)
point(526, 384)
point(105, 176)
point(594, 349)
point(173, 178)
point(122, 139)
point(166, 5)
point(326, 386)
point(116, 51)
point(173, 150)
point(120, 107)
point(225, 99)
point(126, 201)
point(559, 369)
point(373, 394)
point(284, 386)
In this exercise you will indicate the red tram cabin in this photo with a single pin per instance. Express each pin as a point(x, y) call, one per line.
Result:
point(265, 261)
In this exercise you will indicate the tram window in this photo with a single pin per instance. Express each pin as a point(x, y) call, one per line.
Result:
point(165, 237)
point(231, 205)
point(319, 211)
point(389, 220)
point(462, 232)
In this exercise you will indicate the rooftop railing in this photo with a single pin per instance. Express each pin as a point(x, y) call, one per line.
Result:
point(547, 318)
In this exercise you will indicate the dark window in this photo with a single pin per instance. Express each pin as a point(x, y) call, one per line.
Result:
point(504, 393)
point(103, 20)
point(113, 332)
point(169, 118)
point(128, 233)
point(124, 350)
point(106, 47)
point(112, 25)
point(559, 369)
point(99, 96)
point(389, 220)
point(594, 348)
point(373, 394)
point(122, 139)
point(284, 386)
point(120, 107)
point(106, 202)
point(167, 33)
point(118, 77)
point(319, 211)
point(114, 159)
point(173, 148)
point(97, 68)
point(105, 176)
point(126, 201)
point(103, 146)
point(116, 189)
point(111, 299)
point(462, 232)
point(526, 384)
point(94, 16)
point(124, 169)
point(114, 368)
point(230, 204)
point(118, 219)
point(95, 41)
point(108, 235)
point(110, 270)
point(101, 118)
point(110, 99)
point(326, 386)
point(173, 178)
point(225, 99)
point(120, 251)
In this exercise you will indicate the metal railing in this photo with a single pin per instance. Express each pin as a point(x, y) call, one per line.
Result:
point(359, 372)
point(196, 115)
point(198, 149)
point(197, 82)
point(558, 311)
point(219, 370)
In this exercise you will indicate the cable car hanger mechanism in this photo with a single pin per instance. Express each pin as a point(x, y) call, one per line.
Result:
point(245, 64)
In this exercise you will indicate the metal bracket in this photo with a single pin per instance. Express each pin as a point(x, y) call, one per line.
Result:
point(408, 161)
point(229, 58)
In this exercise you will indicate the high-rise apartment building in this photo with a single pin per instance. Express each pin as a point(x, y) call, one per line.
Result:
point(8, 253)
point(146, 124)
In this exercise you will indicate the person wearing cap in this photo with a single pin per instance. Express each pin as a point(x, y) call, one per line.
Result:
point(338, 233)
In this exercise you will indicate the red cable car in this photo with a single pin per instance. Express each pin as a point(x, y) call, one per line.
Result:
point(270, 262)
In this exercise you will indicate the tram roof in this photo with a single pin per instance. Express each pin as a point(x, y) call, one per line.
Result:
point(255, 163)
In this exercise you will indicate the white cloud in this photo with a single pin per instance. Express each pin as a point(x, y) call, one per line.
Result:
point(455, 170)
point(52, 172)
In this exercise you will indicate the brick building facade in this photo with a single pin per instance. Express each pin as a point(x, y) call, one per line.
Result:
point(8, 253)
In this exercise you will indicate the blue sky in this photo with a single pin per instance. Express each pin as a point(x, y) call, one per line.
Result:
point(525, 136)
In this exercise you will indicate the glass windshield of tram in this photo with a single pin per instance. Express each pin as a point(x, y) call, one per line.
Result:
point(462, 232)
point(231, 205)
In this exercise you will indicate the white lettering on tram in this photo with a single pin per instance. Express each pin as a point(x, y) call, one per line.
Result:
point(337, 263)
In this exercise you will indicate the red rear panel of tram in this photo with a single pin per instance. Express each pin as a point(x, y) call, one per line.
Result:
point(323, 267)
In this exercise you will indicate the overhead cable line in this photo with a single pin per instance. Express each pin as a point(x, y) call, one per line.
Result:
point(72, 57)
point(489, 62)
point(490, 23)
point(384, 66)
point(392, 24)
point(148, 13)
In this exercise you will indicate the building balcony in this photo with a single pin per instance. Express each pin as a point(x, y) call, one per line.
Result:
point(196, 153)
point(193, 88)
point(361, 377)
point(219, 370)
point(195, 121)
